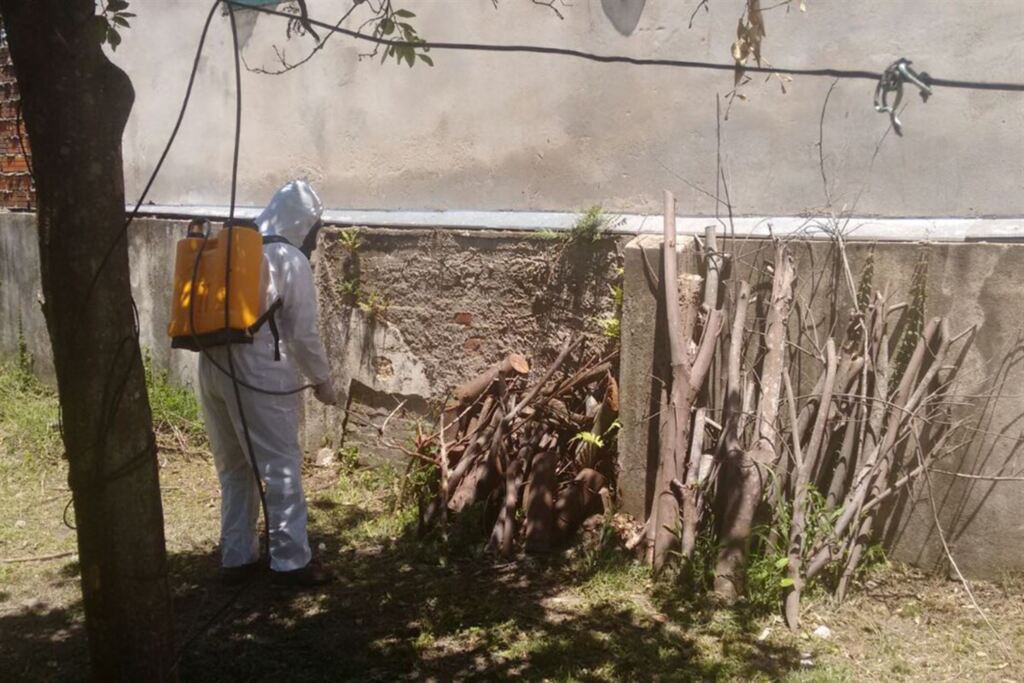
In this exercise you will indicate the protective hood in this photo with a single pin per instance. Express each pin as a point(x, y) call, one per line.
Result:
point(293, 212)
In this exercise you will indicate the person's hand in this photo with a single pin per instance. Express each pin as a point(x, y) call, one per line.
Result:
point(324, 392)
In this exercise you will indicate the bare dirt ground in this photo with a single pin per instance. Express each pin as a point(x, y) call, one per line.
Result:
point(404, 610)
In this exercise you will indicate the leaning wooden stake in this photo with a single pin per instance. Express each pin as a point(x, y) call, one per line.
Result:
point(805, 465)
point(665, 509)
point(738, 524)
point(444, 483)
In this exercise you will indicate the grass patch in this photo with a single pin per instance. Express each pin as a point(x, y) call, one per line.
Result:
point(29, 418)
point(174, 407)
point(403, 610)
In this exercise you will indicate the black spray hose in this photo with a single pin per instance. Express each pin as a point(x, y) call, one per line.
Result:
point(227, 285)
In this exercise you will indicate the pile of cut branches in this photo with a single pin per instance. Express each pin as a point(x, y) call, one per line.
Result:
point(545, 448)
point(809, 431)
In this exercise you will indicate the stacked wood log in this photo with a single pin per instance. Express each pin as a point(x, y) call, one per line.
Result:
point(544, 447)
point(756, 446)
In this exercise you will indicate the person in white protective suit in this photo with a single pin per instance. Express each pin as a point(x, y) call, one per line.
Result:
point(288, 225)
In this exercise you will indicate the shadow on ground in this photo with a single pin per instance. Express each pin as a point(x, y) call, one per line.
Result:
point(398, 613)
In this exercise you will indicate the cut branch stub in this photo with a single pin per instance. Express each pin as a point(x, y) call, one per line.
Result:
point(467, 392)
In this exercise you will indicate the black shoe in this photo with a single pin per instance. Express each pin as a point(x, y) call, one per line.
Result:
point(236, 576)
point(310, 576)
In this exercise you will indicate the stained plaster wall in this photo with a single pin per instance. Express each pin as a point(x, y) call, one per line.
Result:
point(512, 131)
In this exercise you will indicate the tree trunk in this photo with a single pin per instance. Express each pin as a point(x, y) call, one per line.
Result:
point(75, 105)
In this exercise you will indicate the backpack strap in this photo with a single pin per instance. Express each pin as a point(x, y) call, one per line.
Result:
point(275, 239)
point(269, 318)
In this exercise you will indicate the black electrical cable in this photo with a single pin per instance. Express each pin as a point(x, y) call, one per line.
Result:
point(167, 148)
point(633, 61)
point(260, 486)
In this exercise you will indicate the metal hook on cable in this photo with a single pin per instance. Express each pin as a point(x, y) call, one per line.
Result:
point(892, 80)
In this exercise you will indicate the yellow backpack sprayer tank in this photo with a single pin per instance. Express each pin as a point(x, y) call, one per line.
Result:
point(213, 275)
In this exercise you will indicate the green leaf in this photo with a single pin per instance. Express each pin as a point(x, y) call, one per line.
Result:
point(116, 5)
point(428, 60)
point(786, 583)
point(98, 26)
point(781, 562)
point(126, 14)
point(405, 14)
point(405, 52)
point(113, 37)
point(589, 438)
point(387, 27)
point(120, 21)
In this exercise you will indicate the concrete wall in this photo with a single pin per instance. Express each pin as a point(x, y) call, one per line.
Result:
point(974, 284)
point(21, 295)
point(456, 302)
point(489, 131)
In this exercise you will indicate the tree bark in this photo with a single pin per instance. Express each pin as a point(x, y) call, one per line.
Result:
point(76, 104)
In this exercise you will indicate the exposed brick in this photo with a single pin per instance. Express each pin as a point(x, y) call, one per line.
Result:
point(16, 187)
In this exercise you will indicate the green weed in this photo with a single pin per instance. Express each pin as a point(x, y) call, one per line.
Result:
point(350, 240)
point(28, 417)
point(173, 406)
point(590, 226)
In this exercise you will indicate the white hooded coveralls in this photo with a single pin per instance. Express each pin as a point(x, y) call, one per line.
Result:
point(273, 421)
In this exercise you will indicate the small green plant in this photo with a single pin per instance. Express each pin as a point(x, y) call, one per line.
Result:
point(590, 226)
point(597, 440)
point(618, 295)
point(350, 240)
point(348, 458)
point(350, 290)
point(547, 234)
point(611, 327)
point(374, 305)
point(26, 364)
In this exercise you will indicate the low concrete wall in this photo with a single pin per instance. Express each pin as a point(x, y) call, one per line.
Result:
point(456, 302)
point(971, 284)
point(21, 295)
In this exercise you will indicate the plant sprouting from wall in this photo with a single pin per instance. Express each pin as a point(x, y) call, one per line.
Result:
point(349, 240)
point(591, 225)
point(26, 364)
point(611, 326)
point(376, 306)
